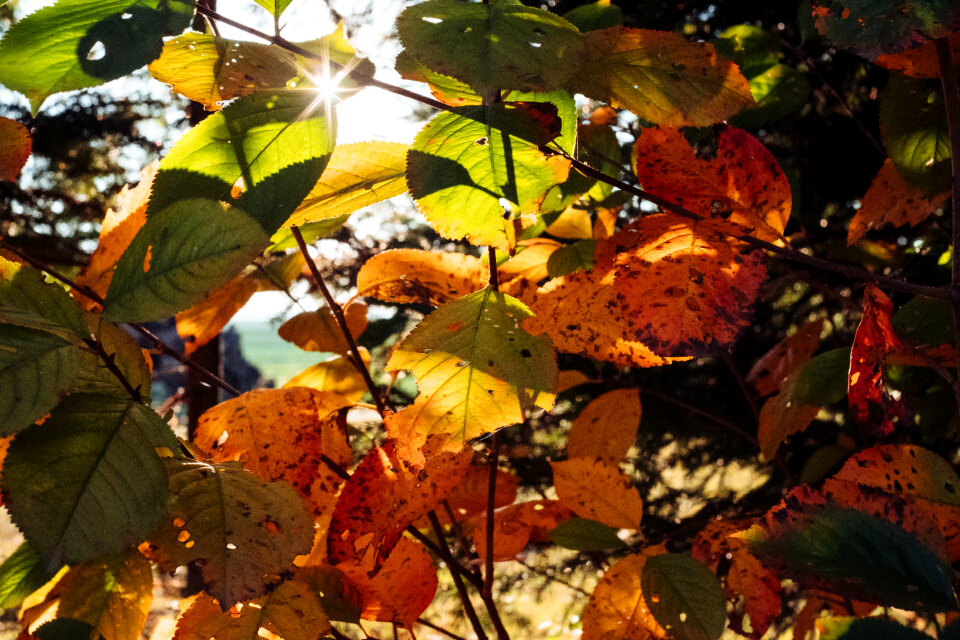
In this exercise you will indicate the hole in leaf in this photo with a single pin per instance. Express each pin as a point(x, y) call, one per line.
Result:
point(432, 20)
point(97, 51)
point(126, 15)
point(536, 45)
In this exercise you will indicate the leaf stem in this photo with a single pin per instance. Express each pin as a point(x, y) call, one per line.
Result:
point(341, 321)
point(457, 581)
point(494, 279)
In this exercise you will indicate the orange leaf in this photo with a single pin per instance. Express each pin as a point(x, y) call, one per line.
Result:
point(530, 262)
point(336, 375)
point(919, 62)
point(382, 497)
point(892, 200)
point(743, 178)
point(716, 540)
point(413, 275)
point(782, 416)
point(318, 330)
point(518, 524)
point(607, 427)
point(204, 321)
point(582, 315)
point(685, 287)
point(4, 446)
point(15, 148)
point(598, 490)
point(573, 223)
point(870, 403)
point(470, 496)
point(282, 434)
point(760, 589)
point(769, 372)
point(120, 225)
point(617, 609)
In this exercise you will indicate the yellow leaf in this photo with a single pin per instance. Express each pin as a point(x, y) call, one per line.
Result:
point(598, 490)
point(573, 224)
point(607, 427)
point(413, 275)
point(318, 330)
point(336, 375)
point(530, 261)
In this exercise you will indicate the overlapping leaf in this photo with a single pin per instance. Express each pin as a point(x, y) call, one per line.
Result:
point(337, 375)
point(919, 62)
point(21, 574)
point(760, 589)
point(684, 286)
point(769, 372)
point(94, 374)
point(607, 427)
point(464, 164)
point(517, 525)
point(414, 275)
point(15, 148)
point(782, 416)
point(598, 490)
point(618, 608)
point(28, 300)
point(202, 322)
point(660, 76)
point(242, 531)
point(685, 598)
point(476, 368)
point(319, 331)
point(108, 489)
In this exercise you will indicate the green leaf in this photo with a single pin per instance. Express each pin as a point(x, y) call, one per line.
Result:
point(76, 43)
point(752, 48)
point(583, 534)
point(660, 76)
point(823, 380)
point(182, 252)
point(570, 258)
point(866, 558)
point(913, 128)
point(278, 142)
point(275, 7)
point(597, 15)
point(874, 27)
point(463, 164)
point(867, 629)
point(241, 530)
point(924, 321)
point(20, 575)
point(65, 629)
point(684, 596)
point(778, 91)
point(491, 47)
point(29, 300)
point(107, 488)
point(36, 369)
point(476, 368)
point(94, 376)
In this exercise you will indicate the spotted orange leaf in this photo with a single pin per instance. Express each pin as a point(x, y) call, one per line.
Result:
point(919, 62)
point(15, 148)
point(760, 589)
point(598, 490)
point(413, 275)
point(607, 427)
point(617, 609)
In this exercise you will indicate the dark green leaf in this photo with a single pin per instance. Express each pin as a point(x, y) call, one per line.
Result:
point(181, 253)
point(913, 128)
point(752, 48)
point(685, 597)
point(924, 321)
point(823, 380)
point(596, 15)
point(76, 43)
point(36, 369)
point(867, 629)
point(65, 629)
point(88, 482)
point(29, 300)
point(570, 258)
point(275, 7)
point(583, 534)
point(865, 557)
point(20, 575)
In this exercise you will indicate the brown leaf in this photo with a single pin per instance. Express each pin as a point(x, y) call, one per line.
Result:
point(782, 416)
point(598, 490)
point(919, 62)
point(760, 589)
point(607, 427)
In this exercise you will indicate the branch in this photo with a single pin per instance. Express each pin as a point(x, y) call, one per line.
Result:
point(109, 359)
point(491, 504)
point(439, 629)
point(457, 581)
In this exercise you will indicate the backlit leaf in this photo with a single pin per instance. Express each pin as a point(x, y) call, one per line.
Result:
point(21, 574)
point(919, 62)
point(337, 375)
point(607, 427)
point(769, 372)
point(275, 7)
point(618, 608)
point(281, 434)
point(500, 45)
point(570, 258)
point(685, 287)
point(463, 166)
point(108, 489)
point(242, 531)
point(381, 498)
point(530, 261)
point(73, 44)
point(873, 27)
point(319, 331)
point(660, 76)
point(28, 300)
point(357, 176)
point(414, 275)
point(743, 181)
point(469, 497)
point(583, 534)
point(15, 147)
point(892, 200)
point(517, 525)
point(204, 321)
point(596, 15)
point(684, 597)
point(112, 595)
point(477, 370)
point(598, 490)
point(94, 376)
point(181, 253)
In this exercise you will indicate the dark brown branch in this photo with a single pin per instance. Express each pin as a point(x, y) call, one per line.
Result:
point(457, 581)
point(494, 276)
point(341, 322)
point(439, 629)
point(491, 504)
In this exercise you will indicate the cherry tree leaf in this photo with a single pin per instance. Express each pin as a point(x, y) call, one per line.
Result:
point(414, 275)
point(476, 368)
point(275, 7)
point(319, 331)
point(94, 376)
point(686, 599)
point(769, 372)
point(337, 375)
point(618, 608)
point(596, 15)
point(743, 180)
point(783, 415)
point(529, 263)
point(583, 534)
point(495, 46)
point(919, 62)
point(685, 287)
point(15, 148)
point(517, 525)
point(469, 497)
point(465, 164)
point(660, 76)
point(242, 532)
point(892, 200)
point(607, 427)
point(21, 574)
point(760, 589)
point(28, 300)
point(204, 321)
point(598, 490)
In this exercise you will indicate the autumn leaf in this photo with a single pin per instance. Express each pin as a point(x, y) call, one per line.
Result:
point(871, 404)
point(685, 597)
point(529, 263)
point(760, 589)
point(477, 370)
point(598, 490)
point(469, 497)
point(685, 288)
point(15, 148)
point(428, 277)
point(607, 427)
point(743, 182)
point(919, 62)
point(204, 321)
point(242, 532)
point(769, 372)
point(517, 525)
point(382, 497)
point(892, 200)
point(319, 330)
point(573, 223)
point(282, 434)
point(660, 76)
point(337, 375)
point(618, 609)
point(783, 415)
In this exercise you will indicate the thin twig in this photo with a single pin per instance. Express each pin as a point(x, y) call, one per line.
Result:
point(109, 359)
point(439, 629)
point(491, 504)
point(457, 581)
point(494, 276)
point(341, 321)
